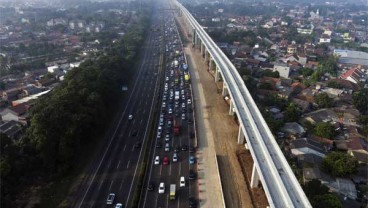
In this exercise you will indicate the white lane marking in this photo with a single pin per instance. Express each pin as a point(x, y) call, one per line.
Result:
point(178, 201)
point(117, 167)
point(124, 148)
point(99, 187)
point(170, 169)
point(111, 184)
point(121, 184)
point(179, 168)
point(156, 200)
point(128, 164)
point(167, 200)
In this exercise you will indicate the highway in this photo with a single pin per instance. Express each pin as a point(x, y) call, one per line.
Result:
point(114, 169)
point(171, 173)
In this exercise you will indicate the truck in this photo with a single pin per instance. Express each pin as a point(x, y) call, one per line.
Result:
point(177, 95)
point(172, 191)
point(176, 128)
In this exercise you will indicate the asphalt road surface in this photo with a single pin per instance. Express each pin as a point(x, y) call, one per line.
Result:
point(182, 112)
point(114, 169)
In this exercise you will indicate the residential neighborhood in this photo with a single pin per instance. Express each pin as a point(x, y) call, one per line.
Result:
point(306, 65)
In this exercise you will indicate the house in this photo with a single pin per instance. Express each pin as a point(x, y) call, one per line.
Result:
point(282, 68)
point(293, 129)
point(353, 75)
point(15, 113)
point(344, 186)
point(11, 94)
point(321, 115)
point(291, 49)
point(304, 106)
point(325, 38)
point(11, 128)
point(308, 146)
point(352, 57)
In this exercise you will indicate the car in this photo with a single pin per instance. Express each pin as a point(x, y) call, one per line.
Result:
point(192, 202)
point(169, 124)
point(183, 116)
point(119, 205)
point(189, 101)
point(161, 189)
point(191, 149)
point(164, 104)
point(110, 198)
point(158, 135)
point(177, 148)
point(183, 105)
point(167, 138)
point(175, 157)
point(191, 174)
point(170, 111)
point(167, 147)
point(137, 145)
point(165, 161)
point(190, 121)
point(130, 117)
point(191, 160)
point(182, 181)
point(150, 186)
point(158, 145)
point(134, 133)
point(184, 147)
point(157, 160)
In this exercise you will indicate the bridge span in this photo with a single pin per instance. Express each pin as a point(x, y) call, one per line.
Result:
point(270, 166)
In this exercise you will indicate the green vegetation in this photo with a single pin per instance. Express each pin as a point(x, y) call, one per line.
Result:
point(292, 113)
point(323, 101)
point(67, 119)
point(319, 196)
point(340, 164)
point(360, 100)
point(325, 130)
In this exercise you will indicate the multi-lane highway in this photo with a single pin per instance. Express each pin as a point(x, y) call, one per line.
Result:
point(163, 79)
point(175, 128)
point(115, 167)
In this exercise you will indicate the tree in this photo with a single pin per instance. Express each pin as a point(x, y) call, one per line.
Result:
point(360, 101)
point(340, 164)
point(324, 129)
point(326, 201)
point(291, 113)
point(306, 72)
point(323, 101)
point(266, 86)
point(319, 196)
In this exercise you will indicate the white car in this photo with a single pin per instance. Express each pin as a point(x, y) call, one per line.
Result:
point(130, 117)
point(110, 198)
point(189, 101)
point(175, 157)
point(119, 205)
point(157, 160)
point(182, 181)
point(161, 189)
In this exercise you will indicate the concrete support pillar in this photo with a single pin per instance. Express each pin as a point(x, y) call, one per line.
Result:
point(211, 65)
point(231, 110)
point(241, 136)
point(224, 90)
point(193, 37)
point(217, 74)
point(202, 48)
point(255, 178)
point(206, 56)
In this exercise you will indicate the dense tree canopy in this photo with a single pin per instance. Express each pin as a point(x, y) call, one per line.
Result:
point(319, 196)
point(340, 164)
point(323, 101)
point(291, 113)
point(360, 100)
point(68, 117)
point(324, 129)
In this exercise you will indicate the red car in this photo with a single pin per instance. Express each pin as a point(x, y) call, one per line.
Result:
point(165, 161)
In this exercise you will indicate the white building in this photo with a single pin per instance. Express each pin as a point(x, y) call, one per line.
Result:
point(283, 69)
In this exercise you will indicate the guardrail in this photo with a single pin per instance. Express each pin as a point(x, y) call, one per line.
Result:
point(280, 184)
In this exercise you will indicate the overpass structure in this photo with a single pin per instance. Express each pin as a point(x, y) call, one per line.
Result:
point(270, 166)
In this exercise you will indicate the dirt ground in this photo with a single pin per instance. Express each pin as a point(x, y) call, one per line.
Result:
point(235, 162)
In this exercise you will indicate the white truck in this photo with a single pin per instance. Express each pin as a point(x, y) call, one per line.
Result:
point(177, 95)
point(172, 191)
